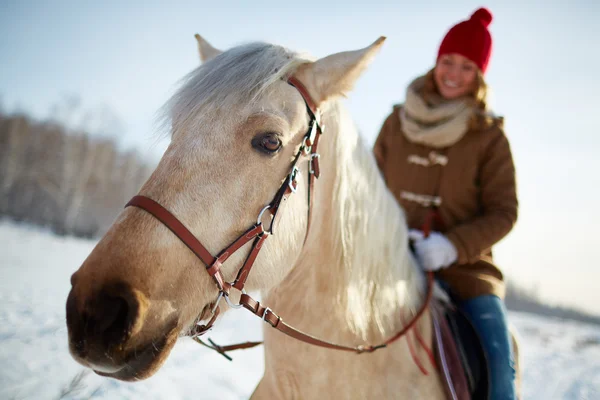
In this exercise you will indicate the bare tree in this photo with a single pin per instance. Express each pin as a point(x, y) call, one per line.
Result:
point(17, 133)
point(65, 180)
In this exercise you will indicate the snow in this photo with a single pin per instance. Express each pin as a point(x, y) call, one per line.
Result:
point(561, 358)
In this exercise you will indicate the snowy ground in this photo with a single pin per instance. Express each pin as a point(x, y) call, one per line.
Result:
point(561, 358)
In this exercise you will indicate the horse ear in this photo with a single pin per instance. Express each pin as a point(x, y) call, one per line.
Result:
point(206, 51)
point(335, 75)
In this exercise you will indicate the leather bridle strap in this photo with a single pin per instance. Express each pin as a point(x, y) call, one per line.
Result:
point(311, 143)
point(267, 315)
point(276, 322)
point(171, 222)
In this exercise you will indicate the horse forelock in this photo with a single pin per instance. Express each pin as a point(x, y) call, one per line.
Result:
point(235, 78)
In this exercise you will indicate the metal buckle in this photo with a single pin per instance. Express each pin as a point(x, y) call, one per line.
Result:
point(217, 303)
point(265, 314)
point(306, 147)
point(295, 172)
point(229, 303)
point(260, 215)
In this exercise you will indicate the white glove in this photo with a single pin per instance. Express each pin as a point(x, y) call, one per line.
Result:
point(433, 252)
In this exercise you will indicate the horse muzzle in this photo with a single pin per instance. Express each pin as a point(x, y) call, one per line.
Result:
point(104, 327)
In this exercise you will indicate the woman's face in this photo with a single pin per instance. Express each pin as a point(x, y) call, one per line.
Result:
point(455, 76)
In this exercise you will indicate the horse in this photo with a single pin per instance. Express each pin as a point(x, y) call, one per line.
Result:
point(244, 126)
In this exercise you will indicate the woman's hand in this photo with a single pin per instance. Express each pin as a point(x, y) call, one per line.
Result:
point(433, 252)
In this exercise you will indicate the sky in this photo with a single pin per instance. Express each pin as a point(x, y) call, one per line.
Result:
point(109, 66)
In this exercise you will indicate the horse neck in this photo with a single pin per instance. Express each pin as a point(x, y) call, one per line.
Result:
point(355, 275)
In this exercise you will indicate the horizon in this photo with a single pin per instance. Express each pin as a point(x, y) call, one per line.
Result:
point(126, 59)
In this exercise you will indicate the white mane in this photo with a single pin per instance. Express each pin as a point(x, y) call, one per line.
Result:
point(379, 272)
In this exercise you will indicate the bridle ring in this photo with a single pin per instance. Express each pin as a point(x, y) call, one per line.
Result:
point(260, 215)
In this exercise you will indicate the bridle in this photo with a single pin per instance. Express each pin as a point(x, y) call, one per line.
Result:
point(259, 234)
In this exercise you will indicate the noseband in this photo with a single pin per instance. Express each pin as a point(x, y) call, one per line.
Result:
point(259, 234)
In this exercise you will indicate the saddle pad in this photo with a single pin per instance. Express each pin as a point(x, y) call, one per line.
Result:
point(448, 356)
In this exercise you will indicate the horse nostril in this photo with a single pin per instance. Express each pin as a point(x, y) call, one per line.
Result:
point(102, 321)
point(112, 320)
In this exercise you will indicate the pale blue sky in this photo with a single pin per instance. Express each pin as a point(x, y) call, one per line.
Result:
point(128, 56)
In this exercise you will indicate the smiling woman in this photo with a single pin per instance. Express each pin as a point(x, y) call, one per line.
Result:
point(448, 162)
point(455, 75)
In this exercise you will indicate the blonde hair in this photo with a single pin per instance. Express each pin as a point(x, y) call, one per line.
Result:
point(482, 118)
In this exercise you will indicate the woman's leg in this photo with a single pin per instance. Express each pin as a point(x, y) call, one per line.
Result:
point(488, 315)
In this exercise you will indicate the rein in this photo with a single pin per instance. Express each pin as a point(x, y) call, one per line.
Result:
point(259, 234)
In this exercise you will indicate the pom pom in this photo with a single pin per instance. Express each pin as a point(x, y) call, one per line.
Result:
point(483, 15)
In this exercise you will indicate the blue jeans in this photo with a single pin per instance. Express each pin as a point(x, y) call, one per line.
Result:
point(488, 315)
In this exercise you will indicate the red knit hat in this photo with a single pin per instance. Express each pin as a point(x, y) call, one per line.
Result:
point(471, 39)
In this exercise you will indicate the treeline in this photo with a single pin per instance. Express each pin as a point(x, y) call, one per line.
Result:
point(519, 298)
point(68, 181)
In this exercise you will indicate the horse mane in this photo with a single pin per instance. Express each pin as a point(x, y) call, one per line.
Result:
point(378, 271)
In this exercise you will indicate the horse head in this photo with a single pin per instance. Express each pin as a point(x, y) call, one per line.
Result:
point(237, 126)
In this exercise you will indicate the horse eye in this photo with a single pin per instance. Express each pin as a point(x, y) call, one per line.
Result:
point(268, 143)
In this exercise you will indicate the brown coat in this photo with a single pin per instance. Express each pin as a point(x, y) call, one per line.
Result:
point(475, 190)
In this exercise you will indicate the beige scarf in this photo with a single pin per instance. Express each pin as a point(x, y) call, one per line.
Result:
point(439, 125)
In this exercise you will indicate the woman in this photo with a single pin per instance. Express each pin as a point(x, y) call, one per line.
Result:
point(446, 159)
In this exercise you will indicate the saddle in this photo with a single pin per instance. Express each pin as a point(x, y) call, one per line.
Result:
point(459, 353)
